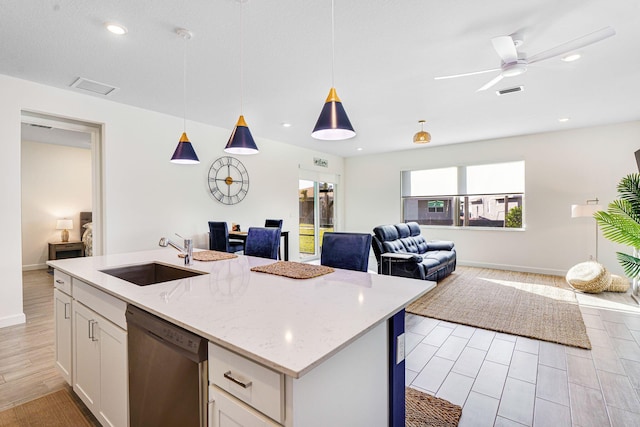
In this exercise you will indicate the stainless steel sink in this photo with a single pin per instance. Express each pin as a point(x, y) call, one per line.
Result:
point(151, 273)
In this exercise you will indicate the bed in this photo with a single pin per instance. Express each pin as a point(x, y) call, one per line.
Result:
point(86, 227)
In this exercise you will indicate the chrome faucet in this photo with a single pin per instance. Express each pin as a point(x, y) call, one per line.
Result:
point(187, 250)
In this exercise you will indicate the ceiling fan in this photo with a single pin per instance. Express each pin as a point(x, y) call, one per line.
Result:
point(514, 63)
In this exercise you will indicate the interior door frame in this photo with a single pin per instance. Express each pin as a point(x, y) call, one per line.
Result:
point(96, 132)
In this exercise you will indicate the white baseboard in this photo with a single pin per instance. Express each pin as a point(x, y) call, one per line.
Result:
point(520, 268)
point(16, 319)
point(31, 267)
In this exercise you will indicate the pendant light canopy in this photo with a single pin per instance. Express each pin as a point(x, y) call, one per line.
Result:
point(185, 154)
point(333, 123)
point(241, 141)
point(421, 137)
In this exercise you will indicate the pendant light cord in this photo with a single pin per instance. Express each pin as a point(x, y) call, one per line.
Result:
point(333, 44)
point(184, 85)
point(241, 56)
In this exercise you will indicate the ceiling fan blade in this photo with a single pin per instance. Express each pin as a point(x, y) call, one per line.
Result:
point(491, 83)
point(466, 74)
point(575, 44)
point(505, 48)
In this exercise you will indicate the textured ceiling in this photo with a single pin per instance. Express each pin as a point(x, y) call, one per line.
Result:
point(387, 54)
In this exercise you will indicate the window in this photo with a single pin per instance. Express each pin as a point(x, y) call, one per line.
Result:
point(490, 195)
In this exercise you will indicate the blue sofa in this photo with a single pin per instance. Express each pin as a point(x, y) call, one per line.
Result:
point(418, 258)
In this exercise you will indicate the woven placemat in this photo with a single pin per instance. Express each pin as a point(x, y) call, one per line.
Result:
point(211, 255)
point(294, 270)
point(422, 410)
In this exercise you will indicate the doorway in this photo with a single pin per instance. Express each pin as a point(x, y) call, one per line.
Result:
point(61, 177)
point(316, 215)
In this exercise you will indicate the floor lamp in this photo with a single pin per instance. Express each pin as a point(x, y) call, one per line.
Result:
point(587, 210)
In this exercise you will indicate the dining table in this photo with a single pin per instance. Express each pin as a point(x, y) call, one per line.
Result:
point(242, 235)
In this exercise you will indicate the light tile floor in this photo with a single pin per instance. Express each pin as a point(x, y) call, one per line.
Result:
point(507, 380)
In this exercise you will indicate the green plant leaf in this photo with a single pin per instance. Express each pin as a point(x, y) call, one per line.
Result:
point(630, 264)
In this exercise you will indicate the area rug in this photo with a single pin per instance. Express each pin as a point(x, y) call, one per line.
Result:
point(531, 305)
point(55, 409)
point(423, 410)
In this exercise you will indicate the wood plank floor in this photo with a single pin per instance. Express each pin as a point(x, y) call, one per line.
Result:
point(27, 352)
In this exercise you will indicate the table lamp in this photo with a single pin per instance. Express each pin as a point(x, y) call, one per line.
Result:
point(65, 225)
point(587, 210)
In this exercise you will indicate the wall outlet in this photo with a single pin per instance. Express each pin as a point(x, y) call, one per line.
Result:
point(399, 348)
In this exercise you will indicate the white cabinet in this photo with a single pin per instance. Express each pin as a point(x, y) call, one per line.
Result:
point(91, 347)
point(62, 310)
point(100, 366)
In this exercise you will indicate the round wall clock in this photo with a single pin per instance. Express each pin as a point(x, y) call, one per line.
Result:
point(228, 180)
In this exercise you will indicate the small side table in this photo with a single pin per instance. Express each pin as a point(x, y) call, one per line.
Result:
point(392, 257)
point(61, 250)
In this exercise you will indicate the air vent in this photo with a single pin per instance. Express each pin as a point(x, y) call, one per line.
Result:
point(510, 90)
point(93, 87)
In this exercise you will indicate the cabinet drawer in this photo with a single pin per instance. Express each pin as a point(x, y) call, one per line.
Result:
point(62, 281)
point(224, 410)
point(101, 302)
point(257, 385)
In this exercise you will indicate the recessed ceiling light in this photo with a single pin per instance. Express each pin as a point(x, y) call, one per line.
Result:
point(563, 119)
point(359, 149)
point(286, 125)
point(116, 28)
point(571, 57)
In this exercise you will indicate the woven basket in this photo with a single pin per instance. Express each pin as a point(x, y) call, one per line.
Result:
point(618, 284)
point(590, 277)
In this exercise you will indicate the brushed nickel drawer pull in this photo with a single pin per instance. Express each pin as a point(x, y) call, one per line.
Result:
point(66, 316)
point(60, 282)
point(242, 384)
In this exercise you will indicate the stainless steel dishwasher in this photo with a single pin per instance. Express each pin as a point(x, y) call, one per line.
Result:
point(167, 373)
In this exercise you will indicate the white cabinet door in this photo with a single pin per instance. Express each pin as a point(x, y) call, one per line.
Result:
point(227, 411)
point(114, 383)
point(86, 357)
point(62, 309)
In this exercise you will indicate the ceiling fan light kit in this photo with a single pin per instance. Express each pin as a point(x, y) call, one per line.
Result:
point(514, 63)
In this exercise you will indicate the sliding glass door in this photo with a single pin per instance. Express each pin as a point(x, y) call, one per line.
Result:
point(316, 215)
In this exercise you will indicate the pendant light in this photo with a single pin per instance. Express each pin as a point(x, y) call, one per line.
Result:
point(421, 137)
point(241, 141)
point(185, 154)
point(333, 123)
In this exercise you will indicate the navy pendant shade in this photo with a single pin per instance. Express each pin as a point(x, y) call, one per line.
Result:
point(241, 141)
point(333, 123)
point(185, 154)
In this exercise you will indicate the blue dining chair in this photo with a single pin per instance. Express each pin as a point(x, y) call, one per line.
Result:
point(274, 223)
point(262, 242)
point(219, 238)
point(346, 250)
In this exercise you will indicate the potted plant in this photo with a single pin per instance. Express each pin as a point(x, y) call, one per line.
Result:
point(621, 224)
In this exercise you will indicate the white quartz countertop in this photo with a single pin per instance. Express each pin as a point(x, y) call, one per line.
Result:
point(290, 325)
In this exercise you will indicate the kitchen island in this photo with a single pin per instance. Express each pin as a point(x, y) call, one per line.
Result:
point(327, 338)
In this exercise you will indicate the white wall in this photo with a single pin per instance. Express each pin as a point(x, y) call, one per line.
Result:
point(56, 183)
point(561, 168)
point(145, 196)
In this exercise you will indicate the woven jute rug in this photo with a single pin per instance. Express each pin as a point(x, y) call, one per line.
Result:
point(294, 270)
point(57, 409)
point(537, 306)
point(423, 410)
